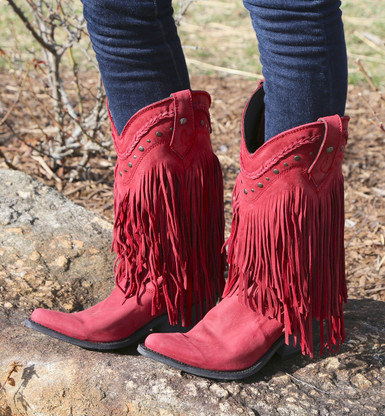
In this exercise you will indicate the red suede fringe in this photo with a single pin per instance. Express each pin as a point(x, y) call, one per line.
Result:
point(287, 261)
point(167, 230)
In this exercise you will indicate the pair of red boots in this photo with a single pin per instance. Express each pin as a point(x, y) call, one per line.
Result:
point(285, 250)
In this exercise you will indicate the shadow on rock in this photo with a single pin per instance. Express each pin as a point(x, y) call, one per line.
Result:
point(364, 336)
point(26, 377)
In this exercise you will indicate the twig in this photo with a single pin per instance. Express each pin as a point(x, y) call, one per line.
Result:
point(368, 77)
point(28, 25)
point(184, 5)
point(369, 42)
point(365, 58)
point(26, 143)
point(20, 91)
point(223, 69)
point(75, 70)
point(306, 384)
point(49, 172)
point(14, 368)
point(377, 289)
point(7, 162)
point(379, 123)
point(73, 191)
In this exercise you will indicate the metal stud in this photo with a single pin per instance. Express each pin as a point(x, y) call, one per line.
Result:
point(276, 171)
point(285, 164)
point(329, 149)
point(171, 128)
point(260, 185)
point(297, 158)
point(245, 190)
point(342, 147)
point(134, 156)
point(159, 134)
point(267, 178)
point(311, 153)
point(148, 141)
point(129, 164)
point(202, 123)
point(120, 173)
point(125, 170)
point(252, 190)
point(183, 120)
point(141, 148)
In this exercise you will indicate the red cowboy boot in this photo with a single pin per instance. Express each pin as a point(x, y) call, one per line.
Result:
point(286, 254)
point(168, 229)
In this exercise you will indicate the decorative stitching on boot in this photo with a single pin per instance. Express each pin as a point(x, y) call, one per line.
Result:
point(141, 132)
point(274, 160)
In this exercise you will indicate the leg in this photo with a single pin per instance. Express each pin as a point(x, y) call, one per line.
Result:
point(303, 56)
point(139, 53)
point(286, 248)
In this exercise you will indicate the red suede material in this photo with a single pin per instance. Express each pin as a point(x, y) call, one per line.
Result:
point(184, 128)
point(169, 220)
point(286, 247)
point(285, 250)
point(113, 319)
point(230, 337)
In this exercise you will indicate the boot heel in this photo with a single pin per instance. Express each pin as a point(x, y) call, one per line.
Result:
point(288, 351)
point(163, 325)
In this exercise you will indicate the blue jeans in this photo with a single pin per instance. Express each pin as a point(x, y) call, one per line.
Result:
point(301, 43)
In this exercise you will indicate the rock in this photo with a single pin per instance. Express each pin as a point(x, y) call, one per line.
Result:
point(331, 363)
point(47, 238)
point(39, 228)
point(361, 382)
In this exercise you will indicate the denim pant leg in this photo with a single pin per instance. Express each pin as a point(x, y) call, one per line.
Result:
point(303, 55)
point(139, 53)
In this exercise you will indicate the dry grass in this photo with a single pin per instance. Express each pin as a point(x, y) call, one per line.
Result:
point(219, 33)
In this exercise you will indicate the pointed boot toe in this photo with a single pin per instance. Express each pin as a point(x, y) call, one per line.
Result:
point(58, 325)
point(114, 323)
point(46, 318)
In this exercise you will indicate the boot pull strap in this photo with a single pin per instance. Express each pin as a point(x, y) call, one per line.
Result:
point(330, 146)
point(184, 124)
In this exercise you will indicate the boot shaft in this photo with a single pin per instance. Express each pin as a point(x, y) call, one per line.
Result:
point(168, 202)
point(286, 247)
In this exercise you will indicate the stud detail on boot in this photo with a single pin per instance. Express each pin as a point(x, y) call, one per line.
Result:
point(286, 248)
point(169, 206)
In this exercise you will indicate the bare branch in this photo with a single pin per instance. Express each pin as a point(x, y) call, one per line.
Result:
point(31, 29)
point(20, 91)
point(368, 78)
point(183, 6)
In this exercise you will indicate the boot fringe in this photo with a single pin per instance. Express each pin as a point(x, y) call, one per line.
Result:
point(291, 252)
point(167, 232)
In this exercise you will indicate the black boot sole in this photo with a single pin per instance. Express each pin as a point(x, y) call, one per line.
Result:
point(159, 324)
point(278, 347)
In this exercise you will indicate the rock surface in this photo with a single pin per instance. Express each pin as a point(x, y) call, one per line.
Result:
point(53, 253)
point(56, 254)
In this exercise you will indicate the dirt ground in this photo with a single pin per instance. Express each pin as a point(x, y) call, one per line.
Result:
point(363, 169)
